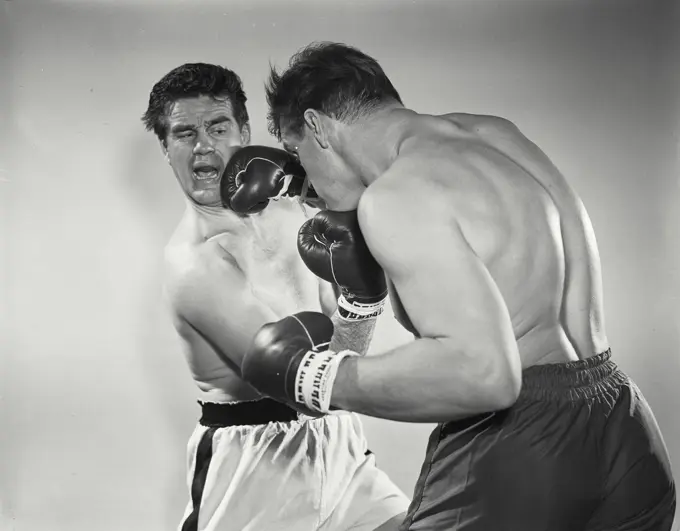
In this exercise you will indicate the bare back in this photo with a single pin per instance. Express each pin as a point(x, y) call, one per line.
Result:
point(529, 228)
point(225, 278)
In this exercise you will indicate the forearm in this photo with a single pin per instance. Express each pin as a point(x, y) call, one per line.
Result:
point(352, 335)
point(421, 381)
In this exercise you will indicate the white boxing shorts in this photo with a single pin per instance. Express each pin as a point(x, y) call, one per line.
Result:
point(258, 466)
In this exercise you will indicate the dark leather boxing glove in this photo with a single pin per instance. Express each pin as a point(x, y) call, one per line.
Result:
point(256, 174)
point(288, 360)
point(333, 248)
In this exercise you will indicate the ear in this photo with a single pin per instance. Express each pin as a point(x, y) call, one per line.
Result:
point(164, 149)
point(314, 123)
point(245, 134)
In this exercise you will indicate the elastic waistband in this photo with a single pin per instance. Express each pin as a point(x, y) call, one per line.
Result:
point(577, 379)
point(245, 413)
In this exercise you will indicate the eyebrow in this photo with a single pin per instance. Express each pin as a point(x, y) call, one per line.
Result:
point(218, 120)
point(179, 128)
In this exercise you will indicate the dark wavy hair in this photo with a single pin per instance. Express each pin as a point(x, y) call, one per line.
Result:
point(193, 80)
point(334, 78)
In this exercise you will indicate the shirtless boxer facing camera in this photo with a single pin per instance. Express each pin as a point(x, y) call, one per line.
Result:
point(493, 265)
point(231, 266)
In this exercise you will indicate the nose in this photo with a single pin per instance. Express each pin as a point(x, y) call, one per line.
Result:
point(203, 144)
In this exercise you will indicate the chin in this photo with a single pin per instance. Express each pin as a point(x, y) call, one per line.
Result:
point(207, 198)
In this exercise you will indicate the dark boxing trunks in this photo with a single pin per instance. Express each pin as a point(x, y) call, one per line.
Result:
point(580, 450)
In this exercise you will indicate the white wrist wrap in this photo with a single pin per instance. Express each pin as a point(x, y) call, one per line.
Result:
point(315, 378)
point(357, 311)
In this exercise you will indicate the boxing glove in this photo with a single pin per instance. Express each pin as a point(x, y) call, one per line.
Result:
point(256, 174)
point(333, 248)
point(288, 360)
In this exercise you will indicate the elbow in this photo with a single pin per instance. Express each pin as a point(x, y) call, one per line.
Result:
point(503, 385)
point(504, 393)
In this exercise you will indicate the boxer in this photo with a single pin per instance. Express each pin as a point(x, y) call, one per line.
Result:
point(493, 266)
point(231, 266)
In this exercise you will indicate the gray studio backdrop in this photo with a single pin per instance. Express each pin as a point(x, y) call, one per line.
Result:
point(96, 404)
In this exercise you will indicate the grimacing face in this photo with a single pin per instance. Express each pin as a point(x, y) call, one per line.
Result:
point(202, 136)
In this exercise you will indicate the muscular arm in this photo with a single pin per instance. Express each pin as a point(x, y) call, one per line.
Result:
point(348, 335)
point(465, 361)
point(352, 335)
point(211, 296)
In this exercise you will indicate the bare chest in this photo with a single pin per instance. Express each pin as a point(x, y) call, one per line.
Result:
point(276, 276)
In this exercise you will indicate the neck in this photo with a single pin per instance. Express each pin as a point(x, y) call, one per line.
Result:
point(215, 220)
point(210, 212)
point(371, 144)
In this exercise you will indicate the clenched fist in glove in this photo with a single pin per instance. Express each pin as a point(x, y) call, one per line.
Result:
point(333, 248)
point(288, 360)
point(256, 174)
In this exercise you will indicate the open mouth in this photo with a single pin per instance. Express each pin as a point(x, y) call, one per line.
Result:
point(205, 172)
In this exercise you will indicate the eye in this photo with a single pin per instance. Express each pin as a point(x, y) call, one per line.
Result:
point(219, 130)
point(185, 134)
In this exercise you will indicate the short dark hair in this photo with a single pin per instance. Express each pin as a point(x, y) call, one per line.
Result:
point(334, 78)
point(193, 80)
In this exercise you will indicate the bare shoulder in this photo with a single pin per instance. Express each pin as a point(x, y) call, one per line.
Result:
point(480, 123)
point(405, 188)
point(445, 182)
point(463, 170)
point(437, 170)
point(421, 183)
point(191, 270)
point(400, 206)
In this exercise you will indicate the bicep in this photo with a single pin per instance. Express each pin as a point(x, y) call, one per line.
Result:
point(444, 287)
point(218, 305)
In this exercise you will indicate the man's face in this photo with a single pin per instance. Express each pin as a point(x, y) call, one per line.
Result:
point(330, 176)
point(202, 136)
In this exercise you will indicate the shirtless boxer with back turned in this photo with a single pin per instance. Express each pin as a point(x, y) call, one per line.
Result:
point(494, 267)
point(253, 463)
